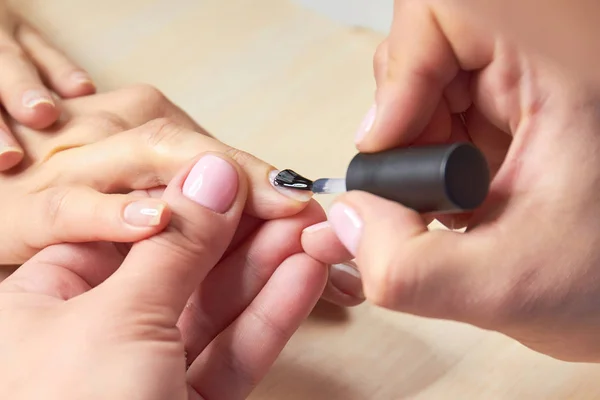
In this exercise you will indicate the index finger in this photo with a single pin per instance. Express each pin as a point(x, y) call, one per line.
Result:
point(150, 156)
point(426, 50)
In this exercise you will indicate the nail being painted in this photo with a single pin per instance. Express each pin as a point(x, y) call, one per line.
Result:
point(293, 180)
point(445, 178)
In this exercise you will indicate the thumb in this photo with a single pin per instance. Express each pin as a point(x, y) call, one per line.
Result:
point(72, 214)
point(407, 268)
point(207, 200)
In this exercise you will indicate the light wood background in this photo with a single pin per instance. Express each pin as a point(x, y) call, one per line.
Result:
point(291, 87)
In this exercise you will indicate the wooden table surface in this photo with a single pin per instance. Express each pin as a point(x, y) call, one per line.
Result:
point(264, 75)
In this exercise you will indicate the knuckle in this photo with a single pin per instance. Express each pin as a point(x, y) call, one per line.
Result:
point(240, 370)
point(145, 102)
point(186, 243)
point(10, 49)
point(405, 280)
point(276, 331)
point(241, 157)
point(146, 94)
point(380, 58)
point(388, 289)
point(56, 202)
point(108, 123)
point(161, 132)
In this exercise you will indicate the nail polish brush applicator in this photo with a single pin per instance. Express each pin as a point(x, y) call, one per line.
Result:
point(446, 178)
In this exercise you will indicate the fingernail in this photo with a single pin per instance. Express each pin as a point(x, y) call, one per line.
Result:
point(299, 195)
point(316, 227)
point(81, 77)
point(33, 98)
point(212, 183)
point(144, 213)
point(10, 156)
point(347, 225)
point(366, 124)
point(346, 278)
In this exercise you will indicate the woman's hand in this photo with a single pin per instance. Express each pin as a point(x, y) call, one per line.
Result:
point(32, 68)
point(188, 314)
point(132, 139)
point(528, 264)
point(64, 191)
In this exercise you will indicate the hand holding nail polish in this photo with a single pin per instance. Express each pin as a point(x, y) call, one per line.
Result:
point(527, 264)
point(429, 179)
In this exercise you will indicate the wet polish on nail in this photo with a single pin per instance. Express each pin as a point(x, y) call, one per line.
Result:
point(301, 193)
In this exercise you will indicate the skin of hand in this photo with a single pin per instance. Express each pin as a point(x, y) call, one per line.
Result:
point(34, 72)
point(106, 146)
point(566, 32)
point(187, 314)
point(527, 264)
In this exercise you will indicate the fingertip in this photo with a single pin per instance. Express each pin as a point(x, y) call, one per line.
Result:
point(10, 156)
point(344, 286)
point(321, 242)
point(331, 295)
point(76, 84)
point(37, 110)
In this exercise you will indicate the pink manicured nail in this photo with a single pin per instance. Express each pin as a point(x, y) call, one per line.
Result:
point(366, 124)
point(212, 183)
point(347, 225)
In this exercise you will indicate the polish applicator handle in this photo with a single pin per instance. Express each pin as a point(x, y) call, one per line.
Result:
point(428, 179)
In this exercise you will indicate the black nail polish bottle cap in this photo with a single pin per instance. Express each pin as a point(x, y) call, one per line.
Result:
point(437, 178)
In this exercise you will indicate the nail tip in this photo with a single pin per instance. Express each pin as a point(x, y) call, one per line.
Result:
point(10, 157)
point(39, 102)
point(34, 98)
point(11, 149)
point(157, 219)
point(316, 227)
point(86, 82)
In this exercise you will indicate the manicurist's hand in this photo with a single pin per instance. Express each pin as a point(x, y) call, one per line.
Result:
point(191, 313)
point(32, 70)
point(529, 262)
